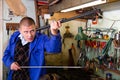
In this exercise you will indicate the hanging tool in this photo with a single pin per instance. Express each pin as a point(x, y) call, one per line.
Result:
point(73, 18)
point(107, 46)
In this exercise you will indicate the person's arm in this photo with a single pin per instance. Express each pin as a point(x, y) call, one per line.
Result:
point(54, 44)
point(15, 66)
point(54, 26)
point(7, 57)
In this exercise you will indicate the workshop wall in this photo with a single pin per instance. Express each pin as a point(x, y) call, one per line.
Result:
point(108, 18)
point(1, 44)
point(106, 22)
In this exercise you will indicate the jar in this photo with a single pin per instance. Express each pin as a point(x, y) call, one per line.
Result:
point(106, 37)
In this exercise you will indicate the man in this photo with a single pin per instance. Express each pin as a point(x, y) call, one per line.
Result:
point(26, 48)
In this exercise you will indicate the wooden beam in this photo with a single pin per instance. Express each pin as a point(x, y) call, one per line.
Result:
point(112, 1)
point(110, 6)
point(66, 4)
point(37, 16)
point(58, 16)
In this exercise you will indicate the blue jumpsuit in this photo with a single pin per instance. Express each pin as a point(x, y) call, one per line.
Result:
point(37, 47)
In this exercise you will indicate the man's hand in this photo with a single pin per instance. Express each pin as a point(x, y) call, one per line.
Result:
point(54, 27)
point(15, 66)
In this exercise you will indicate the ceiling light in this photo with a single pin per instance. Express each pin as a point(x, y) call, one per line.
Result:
point(93, 3)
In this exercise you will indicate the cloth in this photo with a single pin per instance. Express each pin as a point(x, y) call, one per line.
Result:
point(21, 57)
point(17, 7)
point(36, 55)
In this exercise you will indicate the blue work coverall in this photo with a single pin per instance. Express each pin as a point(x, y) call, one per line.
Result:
point(37, 47)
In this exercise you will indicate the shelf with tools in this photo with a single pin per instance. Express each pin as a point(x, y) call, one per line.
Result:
point(100, 52)
point(107, 62)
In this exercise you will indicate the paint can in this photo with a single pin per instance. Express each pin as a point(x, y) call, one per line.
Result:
point(108, 76)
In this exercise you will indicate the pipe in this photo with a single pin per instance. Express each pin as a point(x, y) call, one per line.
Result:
point(50, 67)
point(72, 18)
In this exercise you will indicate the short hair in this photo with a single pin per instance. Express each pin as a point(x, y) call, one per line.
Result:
point(27, 21)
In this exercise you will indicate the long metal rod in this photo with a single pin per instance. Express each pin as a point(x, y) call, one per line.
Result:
point(72, 18)
point(50, 67)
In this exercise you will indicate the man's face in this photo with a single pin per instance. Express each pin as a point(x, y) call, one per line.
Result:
point(28, 32)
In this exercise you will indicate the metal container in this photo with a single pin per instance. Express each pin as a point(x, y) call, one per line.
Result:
point(117, 38)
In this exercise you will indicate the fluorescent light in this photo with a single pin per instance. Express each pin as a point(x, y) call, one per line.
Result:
point(96, 2)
